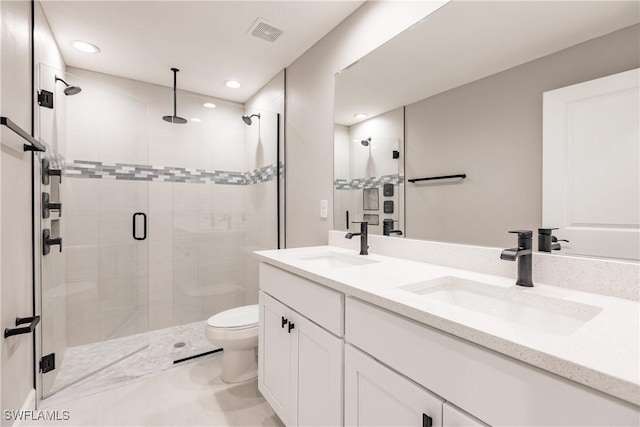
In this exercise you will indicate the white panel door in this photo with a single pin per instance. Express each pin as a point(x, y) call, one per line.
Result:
point(377, 396)
point(591, 166)
point(274, 355)
point(316, 375)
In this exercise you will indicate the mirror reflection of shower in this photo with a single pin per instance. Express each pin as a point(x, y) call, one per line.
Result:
point(247, 118)
point(69, 89)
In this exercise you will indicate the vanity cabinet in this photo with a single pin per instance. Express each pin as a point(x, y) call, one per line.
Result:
point(496, 389)
point(329, 360)
point(274, 355)
point(374, 395)
point(300, 362)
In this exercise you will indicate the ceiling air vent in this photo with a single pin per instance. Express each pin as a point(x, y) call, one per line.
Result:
point(264, 31)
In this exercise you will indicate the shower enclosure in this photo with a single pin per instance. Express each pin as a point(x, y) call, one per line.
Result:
point(158, 223)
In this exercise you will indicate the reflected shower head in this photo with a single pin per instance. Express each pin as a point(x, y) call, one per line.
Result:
point(366, 142)
point(247, 119)
point(69, 90)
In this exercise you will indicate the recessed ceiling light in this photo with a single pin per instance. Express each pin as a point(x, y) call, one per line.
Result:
point(360, 116)
point(232, 84)
point(195, 119)
point(209, 105)
point(85, 47)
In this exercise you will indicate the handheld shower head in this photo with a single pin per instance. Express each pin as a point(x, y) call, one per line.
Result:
point(247, 119)
point(69, 89)
point(366, 142)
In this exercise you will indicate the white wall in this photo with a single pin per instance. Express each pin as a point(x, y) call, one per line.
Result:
point(310, 121)
point(16, 360)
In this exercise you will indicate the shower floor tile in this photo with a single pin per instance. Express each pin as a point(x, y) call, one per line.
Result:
point(127, 359)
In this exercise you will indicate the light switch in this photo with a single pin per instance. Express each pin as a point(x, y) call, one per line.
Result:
point(324, 209)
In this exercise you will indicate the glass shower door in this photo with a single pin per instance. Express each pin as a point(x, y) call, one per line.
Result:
point(224, 208)
point(94, 297)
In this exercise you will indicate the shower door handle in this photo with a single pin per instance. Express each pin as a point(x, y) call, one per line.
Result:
point(144, 226)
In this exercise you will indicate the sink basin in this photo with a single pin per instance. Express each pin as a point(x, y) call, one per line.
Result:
point(336, 260)
point(551, 315)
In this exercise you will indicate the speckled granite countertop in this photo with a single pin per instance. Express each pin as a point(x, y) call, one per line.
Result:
point(603, 353)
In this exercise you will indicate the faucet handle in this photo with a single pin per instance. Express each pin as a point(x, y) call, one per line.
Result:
point(526, 234)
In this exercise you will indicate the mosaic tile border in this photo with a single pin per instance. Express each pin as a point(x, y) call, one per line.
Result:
point(375, 181)
point(134, 172)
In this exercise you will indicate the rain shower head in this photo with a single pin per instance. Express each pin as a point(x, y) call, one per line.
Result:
point(174, 118)
point(69, 89)
point(366, 142)
point(247, 119)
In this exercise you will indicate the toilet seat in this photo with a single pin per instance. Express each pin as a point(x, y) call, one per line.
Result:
point(236, 319)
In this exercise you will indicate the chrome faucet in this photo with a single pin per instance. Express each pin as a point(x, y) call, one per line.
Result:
point(524, 256)
point(387, 227)
point(364, 233)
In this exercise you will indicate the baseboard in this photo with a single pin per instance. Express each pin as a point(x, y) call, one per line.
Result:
point(28, 405)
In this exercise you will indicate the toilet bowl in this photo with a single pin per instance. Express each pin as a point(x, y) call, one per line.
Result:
point(236, 331)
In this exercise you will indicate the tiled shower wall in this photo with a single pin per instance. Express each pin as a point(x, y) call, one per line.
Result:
point(201, 193)
point(261, 222)
point(262, 144)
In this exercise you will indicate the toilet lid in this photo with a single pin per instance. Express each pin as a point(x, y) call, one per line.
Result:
point(239, 317)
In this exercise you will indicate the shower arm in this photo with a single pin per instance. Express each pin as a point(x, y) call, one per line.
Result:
point(175, 82)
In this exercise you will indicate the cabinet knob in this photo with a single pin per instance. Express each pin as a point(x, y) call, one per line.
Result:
point(291, 326)
point(284, 321)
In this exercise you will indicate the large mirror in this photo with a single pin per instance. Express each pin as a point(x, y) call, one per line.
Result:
point(528, 109)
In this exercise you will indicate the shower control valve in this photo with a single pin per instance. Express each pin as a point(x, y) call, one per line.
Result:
point(48, 241)
point(48, 206)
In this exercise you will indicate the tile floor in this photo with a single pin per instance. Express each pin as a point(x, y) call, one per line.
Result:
point(90, 368)
point(189, 395)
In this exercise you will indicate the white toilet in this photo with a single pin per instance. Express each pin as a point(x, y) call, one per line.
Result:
point(236, 331)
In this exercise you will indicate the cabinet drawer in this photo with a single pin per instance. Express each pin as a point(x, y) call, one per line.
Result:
point(454, 417)
point(322, 305)
point(497, 389)
point(377, 396)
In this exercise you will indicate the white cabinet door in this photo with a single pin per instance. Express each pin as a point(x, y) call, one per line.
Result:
point(274, 355)
point(454, 417)
point(377, 396)
point(316, 375)
point(591, 172)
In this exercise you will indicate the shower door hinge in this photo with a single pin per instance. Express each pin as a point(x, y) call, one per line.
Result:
point(45, 99)
point(48, 363)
